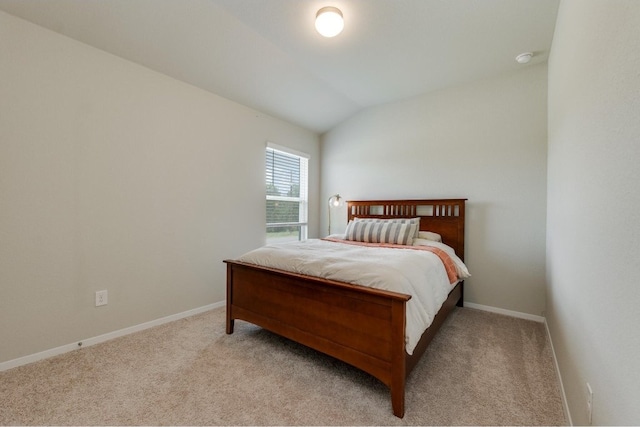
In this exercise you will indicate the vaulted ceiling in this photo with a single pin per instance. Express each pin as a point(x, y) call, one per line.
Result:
point(266, 54)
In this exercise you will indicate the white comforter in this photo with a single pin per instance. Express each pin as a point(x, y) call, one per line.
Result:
point(417, 273)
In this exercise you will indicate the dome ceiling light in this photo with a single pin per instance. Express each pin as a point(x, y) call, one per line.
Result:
point(329, 21)
point(524, 58)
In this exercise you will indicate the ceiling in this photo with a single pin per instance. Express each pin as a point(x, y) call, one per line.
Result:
point(266, 54)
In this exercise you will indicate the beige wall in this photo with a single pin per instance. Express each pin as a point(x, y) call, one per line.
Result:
point(593, 233)
point(485, 141)
point(116, 177)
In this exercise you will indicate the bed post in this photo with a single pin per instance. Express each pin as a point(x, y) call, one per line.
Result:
point(398, 363)
point(460, 302)
point(230, 321)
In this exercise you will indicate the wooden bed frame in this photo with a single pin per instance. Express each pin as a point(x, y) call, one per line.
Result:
point(362, 326)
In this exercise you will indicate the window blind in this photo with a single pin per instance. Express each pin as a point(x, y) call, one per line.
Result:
point(286, 194)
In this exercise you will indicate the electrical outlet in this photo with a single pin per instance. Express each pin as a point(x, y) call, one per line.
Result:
point(589, 403)
point(101, 298)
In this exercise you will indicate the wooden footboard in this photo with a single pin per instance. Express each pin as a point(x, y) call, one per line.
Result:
point(361, 326)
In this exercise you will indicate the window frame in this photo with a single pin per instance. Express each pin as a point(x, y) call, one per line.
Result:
point(302, 199)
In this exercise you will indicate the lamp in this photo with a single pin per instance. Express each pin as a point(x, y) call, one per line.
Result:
point(334, 202)
point(329, 21)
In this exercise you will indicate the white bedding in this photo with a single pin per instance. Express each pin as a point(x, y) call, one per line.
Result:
point(417, 273)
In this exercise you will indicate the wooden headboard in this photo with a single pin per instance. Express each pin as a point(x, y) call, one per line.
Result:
point(442, 216)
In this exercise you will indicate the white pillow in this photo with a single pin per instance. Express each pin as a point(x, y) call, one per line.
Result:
point(429, 235)
point(461, 269)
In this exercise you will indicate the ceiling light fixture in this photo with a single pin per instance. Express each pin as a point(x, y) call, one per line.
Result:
point(329, 21)
point(523, 58)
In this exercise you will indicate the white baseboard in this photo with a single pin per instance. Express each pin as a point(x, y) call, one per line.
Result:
point(105, 337)
point(565, 405)
point(511, 313)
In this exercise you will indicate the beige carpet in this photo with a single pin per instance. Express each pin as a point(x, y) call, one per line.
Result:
point(481, 369)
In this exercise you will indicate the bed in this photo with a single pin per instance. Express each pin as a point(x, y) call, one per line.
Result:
point(362, 326)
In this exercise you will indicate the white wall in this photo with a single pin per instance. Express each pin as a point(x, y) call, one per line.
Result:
point(485, 141)
point(116, 177)
point(593, 232)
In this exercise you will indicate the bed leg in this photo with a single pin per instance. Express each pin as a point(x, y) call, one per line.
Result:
point(397, 400)
point(230, 319)
point(398, 357)
point(460, 302)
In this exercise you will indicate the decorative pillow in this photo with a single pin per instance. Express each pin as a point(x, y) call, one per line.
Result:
point(399, 231)
point(429, 235)
point(415, 221)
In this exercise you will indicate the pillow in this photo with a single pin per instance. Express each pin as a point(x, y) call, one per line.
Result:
point(461, 268)
point(373, 230)
point(429, 236)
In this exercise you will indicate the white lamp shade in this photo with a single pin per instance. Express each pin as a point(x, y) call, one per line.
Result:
point(335, 200)
point(329, 21)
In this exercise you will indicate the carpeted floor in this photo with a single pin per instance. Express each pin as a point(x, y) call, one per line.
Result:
point(481, 369)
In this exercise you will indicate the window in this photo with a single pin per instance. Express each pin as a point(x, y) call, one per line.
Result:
point(287, 194)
